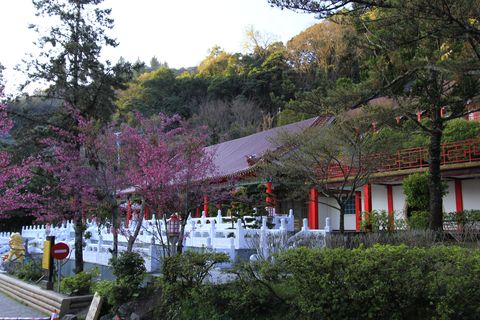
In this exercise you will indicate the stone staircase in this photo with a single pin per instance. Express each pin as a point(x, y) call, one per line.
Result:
point(42, 300)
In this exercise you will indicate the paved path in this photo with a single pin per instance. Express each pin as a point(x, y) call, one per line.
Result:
point(12, 308)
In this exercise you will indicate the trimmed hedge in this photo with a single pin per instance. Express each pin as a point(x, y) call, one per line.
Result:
point(381, 282)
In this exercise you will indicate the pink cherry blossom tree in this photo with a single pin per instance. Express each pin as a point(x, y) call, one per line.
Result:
point(71, 193)
point(168, 167)
point(14, 177)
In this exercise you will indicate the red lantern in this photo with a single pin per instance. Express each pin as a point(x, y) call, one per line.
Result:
point(173, 226)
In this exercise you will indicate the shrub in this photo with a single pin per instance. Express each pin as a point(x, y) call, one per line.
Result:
point(191, 268)
point(104, 288)
point(376, 221)
point(415, 187)
point(419, 220)
point(79, 284)
point(129, 269)
point(29, 271)
point(382, 282)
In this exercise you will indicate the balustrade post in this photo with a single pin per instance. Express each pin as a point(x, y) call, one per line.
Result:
point(305, 224)
point(328, 226)
point(239, 235)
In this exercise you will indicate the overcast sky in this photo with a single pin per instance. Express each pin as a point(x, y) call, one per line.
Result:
point(177, 32)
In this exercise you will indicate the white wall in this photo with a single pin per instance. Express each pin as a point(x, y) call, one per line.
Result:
point(325, 211)
point(449, 204)
point(398, 202)
point(471, 194)
point(379, 198)
point(350, 223)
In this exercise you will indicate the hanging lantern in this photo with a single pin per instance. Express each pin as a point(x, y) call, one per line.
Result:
point(173, 226)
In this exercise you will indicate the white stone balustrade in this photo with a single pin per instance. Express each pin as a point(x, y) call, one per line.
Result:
point(218, 233)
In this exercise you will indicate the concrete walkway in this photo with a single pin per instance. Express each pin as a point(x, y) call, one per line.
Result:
point(11, 308)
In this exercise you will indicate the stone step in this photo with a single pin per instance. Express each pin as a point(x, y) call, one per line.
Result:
point(42, 300)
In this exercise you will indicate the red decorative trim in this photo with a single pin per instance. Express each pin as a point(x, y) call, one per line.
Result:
point(129, 213)
point(391, 224)
point(367, 197)
point(269, 191)
point(313, 209)
point(390, 200)
point(205, 205)
point(458, 195)
point(358, 210)
point(464, 151)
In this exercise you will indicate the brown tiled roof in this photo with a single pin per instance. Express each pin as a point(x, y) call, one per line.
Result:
point(231, 156)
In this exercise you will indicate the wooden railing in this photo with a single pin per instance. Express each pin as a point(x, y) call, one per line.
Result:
point(411, 158)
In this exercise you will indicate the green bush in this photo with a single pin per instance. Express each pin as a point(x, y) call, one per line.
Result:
point(191, 268)
point(419, 220)
point(104, 289)
point(79, 284)
point(415, 187)
point(381, 282)
point(460, 129)
point(129, 269)
point(29, 271)
point(376, 221)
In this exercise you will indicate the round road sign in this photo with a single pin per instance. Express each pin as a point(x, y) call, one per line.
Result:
point(60, 251)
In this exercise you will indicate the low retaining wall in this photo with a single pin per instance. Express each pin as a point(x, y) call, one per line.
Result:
point(42, 300)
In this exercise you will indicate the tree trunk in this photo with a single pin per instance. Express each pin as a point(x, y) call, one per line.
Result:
point(116, 226)
point(138, 226)
point(342, 219)
point(434, 176)
point(78, 244)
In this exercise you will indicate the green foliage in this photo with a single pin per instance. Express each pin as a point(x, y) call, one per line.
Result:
point(129, 268)
point(384, 282)
point(376, 221)
point(466, 219)
point(461, 129)
point(105, 289)
point(29, 271)
point(289, 116)
point(381, 282)
point(80, 283)
point(415, 187)
point(191, 268)
point(419, 220)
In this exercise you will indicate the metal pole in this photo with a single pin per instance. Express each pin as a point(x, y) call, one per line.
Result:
point(59, 266)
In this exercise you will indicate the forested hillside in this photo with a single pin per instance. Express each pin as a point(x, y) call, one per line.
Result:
point(236, 94)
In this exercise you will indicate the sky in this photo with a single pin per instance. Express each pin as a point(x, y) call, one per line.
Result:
point(177, 32)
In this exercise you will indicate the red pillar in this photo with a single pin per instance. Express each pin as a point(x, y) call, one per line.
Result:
point(458, 195)
point(313, 209)
point(269, 191)
point(390, 206)
point(358, 210)
point(205, 204)
point(197, 212)
point(129, 213)
point(269, 199)
point(145, 213)
point(367, 201)
point(367, 197)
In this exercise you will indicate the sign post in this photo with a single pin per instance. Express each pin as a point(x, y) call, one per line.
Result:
point(59, 252)
point(47, 261)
